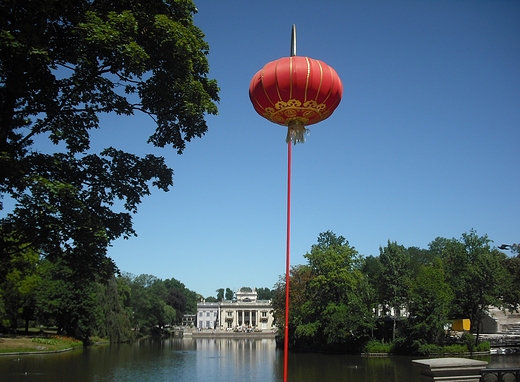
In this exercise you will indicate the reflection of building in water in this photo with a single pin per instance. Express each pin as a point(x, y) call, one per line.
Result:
point(242, 313)
point(236, 359)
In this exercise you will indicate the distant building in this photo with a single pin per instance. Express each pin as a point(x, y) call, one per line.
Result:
point(189, 320)
point(208, 315)
point(244, 312)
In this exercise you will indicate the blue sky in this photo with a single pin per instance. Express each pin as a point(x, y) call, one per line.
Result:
point(425, 142)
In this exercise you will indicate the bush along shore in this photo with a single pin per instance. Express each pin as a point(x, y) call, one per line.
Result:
point(381, 348)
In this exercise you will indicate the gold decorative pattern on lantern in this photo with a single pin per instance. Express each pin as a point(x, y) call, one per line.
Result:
point(283, 111)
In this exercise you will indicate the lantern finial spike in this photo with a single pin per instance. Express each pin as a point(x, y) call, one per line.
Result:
point(293, 41)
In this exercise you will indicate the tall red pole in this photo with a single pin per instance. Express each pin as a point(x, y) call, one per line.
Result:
point(287, 265)
point(288, 245)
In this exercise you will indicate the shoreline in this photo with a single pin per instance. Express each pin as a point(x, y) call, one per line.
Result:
point(38, 352)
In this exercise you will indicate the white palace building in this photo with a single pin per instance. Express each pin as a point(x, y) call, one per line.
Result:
point(244, 312)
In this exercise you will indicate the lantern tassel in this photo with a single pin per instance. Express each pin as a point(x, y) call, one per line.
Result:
point(296, 132)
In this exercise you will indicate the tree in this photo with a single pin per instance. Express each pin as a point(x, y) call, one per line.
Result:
point(476, 274)
point(220, 294)
point(371, 268)
point(113, 319)
point(429, 305)
point(177, 300)
point(333, 310)
point(264, 294)
point(181, 298)
point(512, 290)
point(170, 315)
point(63, 64)
point(147, 299)
point(299, 277)
point(18, 288)
point(394, 279)
point(420, 257)
point(66, 300)
point(229, 294)
point(395, 275)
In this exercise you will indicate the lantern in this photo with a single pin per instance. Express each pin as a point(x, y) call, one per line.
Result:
point(296, 92)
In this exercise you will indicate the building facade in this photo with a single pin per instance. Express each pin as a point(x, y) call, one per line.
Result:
point(189, 320)
point(244, 312)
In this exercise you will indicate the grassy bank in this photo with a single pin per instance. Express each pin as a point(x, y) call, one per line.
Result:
point(28, 344)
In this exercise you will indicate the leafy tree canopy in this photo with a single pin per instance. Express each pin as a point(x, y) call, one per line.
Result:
point(229, 294)
point(264, 294)
point(395, 274)
point(329, 305)
point(429, 307)
point(475, 272)
point(62, 64)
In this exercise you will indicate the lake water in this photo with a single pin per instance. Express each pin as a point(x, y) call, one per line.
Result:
point(209, 359)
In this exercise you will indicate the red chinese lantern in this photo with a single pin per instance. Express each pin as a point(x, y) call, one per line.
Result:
point(296, 92)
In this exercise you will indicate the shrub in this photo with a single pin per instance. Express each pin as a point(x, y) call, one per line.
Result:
point(376, 346)
point(429, 349)
point(484, 346)
point(45, 341)
point(455, 349)
point(469, 340)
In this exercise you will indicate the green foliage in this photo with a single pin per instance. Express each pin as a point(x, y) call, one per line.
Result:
point(476, 274)
point(377, 346)
point(112, 318)
point(395, 275)
point(62, 65)
point(448, 350)
point(328, 297)
point(17, 290)
point(229, 294)
point(483, 346)
point(264, 294)
point(429, 305)
point(66, 300)
point(468, 340)
point(183, 300)
point(454, 349)
point(169, 314)
point(59, 341)
point(155, 303)
point(428, 349)
point(147, 300)
point(512, 289)
point(46, 341)
point(336, 298)
point(420, 257)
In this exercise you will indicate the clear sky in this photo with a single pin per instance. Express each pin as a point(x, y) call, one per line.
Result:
point(425, 143)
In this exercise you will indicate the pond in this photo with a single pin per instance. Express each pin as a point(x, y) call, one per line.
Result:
point(210, 359)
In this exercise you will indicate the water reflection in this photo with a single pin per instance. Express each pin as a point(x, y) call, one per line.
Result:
point(217, 360)
point(235, 360)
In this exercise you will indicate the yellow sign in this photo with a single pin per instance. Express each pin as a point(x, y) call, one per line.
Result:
point(462, 324)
